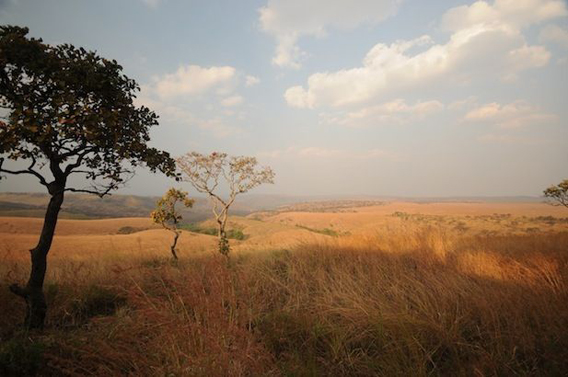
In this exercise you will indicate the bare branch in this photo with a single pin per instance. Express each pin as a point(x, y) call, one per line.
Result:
point(29, 170)
point(100, 194)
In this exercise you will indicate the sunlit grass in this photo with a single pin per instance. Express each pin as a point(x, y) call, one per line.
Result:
point(407, 301)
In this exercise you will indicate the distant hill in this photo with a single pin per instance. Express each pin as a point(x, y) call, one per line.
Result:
point(84, 206)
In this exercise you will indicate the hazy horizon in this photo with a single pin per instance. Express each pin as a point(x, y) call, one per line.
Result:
point(382, 98)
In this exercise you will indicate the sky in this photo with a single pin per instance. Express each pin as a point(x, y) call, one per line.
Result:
point(355, 97)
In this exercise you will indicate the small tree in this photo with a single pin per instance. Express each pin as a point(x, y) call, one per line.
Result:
point(206, 173)
point(558, 195)
point(70, 112)
point(167, 216)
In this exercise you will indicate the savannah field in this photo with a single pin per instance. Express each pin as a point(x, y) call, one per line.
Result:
point(331, 288)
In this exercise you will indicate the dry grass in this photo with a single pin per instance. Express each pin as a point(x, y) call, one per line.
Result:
point(409, 299)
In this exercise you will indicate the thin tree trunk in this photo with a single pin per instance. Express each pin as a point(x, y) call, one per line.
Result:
point(224, 247)
point(33, 291)
point(173, 247)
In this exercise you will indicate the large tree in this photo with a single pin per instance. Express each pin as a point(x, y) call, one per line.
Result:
point(558, 195)
point(236, 174)
point(67, 112)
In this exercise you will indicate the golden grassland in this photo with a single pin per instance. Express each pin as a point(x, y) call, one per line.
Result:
point(461, 289)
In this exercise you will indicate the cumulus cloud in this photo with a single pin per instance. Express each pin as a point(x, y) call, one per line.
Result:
point(193, 79)
point(289, 20)
point(516, 13)
point(513, 115)
point(176, 114)
point(192, 96)
point(393, 112)
point(486, 41)
point(555, 34)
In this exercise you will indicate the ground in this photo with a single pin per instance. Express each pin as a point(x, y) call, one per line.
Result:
point(382, 289)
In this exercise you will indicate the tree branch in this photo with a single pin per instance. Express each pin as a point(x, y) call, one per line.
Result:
point(29, 170)
point(100, 194)
point(71, 152)
point(69, 168)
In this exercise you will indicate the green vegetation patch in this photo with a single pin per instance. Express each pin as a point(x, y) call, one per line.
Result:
point(130, 230)
point(324, 231)
point(235, 234)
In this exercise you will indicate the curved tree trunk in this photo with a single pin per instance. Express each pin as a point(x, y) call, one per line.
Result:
point(33, 291)
point(173, 247)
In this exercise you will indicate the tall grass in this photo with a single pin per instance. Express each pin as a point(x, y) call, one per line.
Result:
point(410, 302)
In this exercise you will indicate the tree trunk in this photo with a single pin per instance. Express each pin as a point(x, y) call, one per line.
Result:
point(33, 291)
point(173, 247)
point(224, 247)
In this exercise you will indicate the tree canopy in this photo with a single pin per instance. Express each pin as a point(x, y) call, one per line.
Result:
point(558, 194)
point(74, 110)
point(239, 173)
point(167, 215)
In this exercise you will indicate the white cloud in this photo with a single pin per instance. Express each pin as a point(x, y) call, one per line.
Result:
point(388, 68)
point(180, 115)
point(486, 43)
point(232, 101)
point(516, 13)
point(208, 87)
point(555, 34)
point(289, 20)
point(251, 80)
point(393, 112)
point(193, 79)
point(514, 115)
